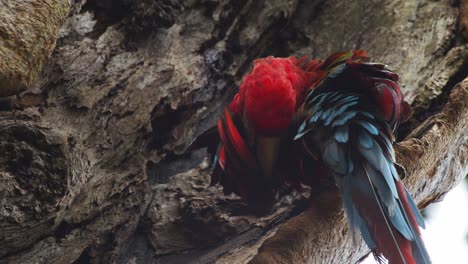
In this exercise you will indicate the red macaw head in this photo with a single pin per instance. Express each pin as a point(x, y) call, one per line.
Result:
point(267, 101)
point(269, 96)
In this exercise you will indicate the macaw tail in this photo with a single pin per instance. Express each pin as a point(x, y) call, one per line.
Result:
point(354, 137)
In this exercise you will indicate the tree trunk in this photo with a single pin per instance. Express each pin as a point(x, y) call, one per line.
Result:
point(93, 167)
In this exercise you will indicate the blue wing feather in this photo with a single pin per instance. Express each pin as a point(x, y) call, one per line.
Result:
point(355, 141)
point(375, 164)
point(369, 127)
point(415, 210)
point(341, 134)
point(344, 118)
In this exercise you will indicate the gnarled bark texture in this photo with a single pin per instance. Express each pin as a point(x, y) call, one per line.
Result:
point(28, 30)
point(93, 168)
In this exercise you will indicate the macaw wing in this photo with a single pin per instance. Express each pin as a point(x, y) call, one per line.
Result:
point(344, 124)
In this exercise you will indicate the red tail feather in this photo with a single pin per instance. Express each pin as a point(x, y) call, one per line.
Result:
point(378, 228)
point(406, 206)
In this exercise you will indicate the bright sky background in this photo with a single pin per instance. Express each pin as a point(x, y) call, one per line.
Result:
point(446, 230)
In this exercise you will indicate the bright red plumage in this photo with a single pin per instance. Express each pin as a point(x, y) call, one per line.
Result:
point(256, 152)
point(270, 95)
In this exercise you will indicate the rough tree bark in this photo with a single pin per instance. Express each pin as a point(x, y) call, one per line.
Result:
point(93, 168)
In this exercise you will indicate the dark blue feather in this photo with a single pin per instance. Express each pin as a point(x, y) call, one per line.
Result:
point(414, 208)
point(350, 165)
point(365, 140)
point(377, 160)
point(392, 169)
point(302, 127)
point(366, 234)
point(345, 184)
point(299, 135)
point(343, 118)
point(318, 99)
point(389, 147)
point(315, 117)
point(341, 134)
point(335, 156)
point(369, 127)
point(401, 224)
point(391, 208)
point(340, 109)
point(381, 185)
point(366, 114)
point(326, 113)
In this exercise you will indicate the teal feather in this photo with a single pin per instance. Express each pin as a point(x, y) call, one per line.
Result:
point(366, 114)
point(389, 147)
point(326, 113)
point(343, 118)
point(382, 187)
point(365, 140)
point(315, 117)
point(339, 111)
point(335, 157)
point(302, 127)
point(366, 234)
point(369, 127)
point(414, 208)
point(392, 169)
point(377, 160)
point(301, 134)
point(393, 211)
point(341, 134)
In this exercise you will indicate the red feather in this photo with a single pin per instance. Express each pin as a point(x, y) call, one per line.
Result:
point(385, 100)
point(234, 137)
point(273, 82)
point(406, 206)
point(222, 158)
point(378, 228)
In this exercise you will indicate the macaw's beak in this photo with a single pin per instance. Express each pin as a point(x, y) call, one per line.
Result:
point(267, 153)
